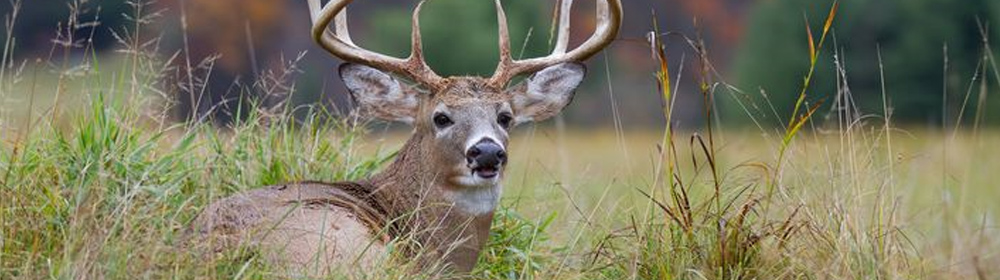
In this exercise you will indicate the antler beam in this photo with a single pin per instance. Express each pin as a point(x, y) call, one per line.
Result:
point(338, 42)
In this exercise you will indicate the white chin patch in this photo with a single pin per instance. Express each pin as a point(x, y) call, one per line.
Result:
point(478, 195)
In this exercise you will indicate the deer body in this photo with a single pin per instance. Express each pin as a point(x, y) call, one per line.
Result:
point(445, 183)
point(317, 228)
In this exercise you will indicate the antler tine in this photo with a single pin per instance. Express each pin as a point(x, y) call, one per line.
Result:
point(609, 18)
point(314, 9)
point(416, 60)
point(342, 31)
point(416, 40)
point(339, 44)
point(504, 34)
point(562, 41)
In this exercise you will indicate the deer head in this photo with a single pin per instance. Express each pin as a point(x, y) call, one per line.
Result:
point(464, 121)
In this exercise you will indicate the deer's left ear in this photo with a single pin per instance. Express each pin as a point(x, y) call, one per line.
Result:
point(547, 92)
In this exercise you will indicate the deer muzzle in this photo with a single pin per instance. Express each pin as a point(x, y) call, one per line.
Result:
point(486, 158)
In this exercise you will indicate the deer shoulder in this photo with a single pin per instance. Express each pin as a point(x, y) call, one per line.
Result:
point(310, 228)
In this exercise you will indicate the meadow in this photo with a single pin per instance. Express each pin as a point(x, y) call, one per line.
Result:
point(97, 182)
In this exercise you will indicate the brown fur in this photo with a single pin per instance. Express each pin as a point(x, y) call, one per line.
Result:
point(308, 228)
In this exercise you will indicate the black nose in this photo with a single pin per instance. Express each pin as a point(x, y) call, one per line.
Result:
point(486, 153)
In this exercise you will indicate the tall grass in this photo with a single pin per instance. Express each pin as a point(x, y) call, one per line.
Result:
point(103, 187)
point(826, 208)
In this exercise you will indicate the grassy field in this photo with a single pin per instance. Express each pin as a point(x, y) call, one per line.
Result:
point(105, 195)
point(95, 183)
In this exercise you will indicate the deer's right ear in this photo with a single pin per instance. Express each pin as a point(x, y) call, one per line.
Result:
point(378, 94)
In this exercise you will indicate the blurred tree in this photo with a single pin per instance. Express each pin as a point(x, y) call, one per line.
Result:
point(245, 40)
point(911, 35)
point(37, 22)
point(460, 36)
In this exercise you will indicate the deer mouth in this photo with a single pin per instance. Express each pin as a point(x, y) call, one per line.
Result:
point(486, 172)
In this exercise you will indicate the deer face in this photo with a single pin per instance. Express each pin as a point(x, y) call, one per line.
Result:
point(465, 124)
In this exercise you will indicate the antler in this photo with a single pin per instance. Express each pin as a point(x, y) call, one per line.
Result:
point(338, 42)
point(609, 18)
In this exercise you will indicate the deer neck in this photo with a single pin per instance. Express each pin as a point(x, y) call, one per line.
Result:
point(447, 217)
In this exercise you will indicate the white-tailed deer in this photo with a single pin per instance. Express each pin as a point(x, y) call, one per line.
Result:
point(444, 184)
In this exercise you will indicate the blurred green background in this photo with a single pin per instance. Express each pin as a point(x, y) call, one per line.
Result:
point(760, 47)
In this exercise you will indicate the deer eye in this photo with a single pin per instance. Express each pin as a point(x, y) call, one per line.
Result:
point(505, 119)
point(442, 121)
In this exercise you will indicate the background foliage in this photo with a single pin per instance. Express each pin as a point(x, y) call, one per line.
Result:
point(455, 37)
point(910, 34)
